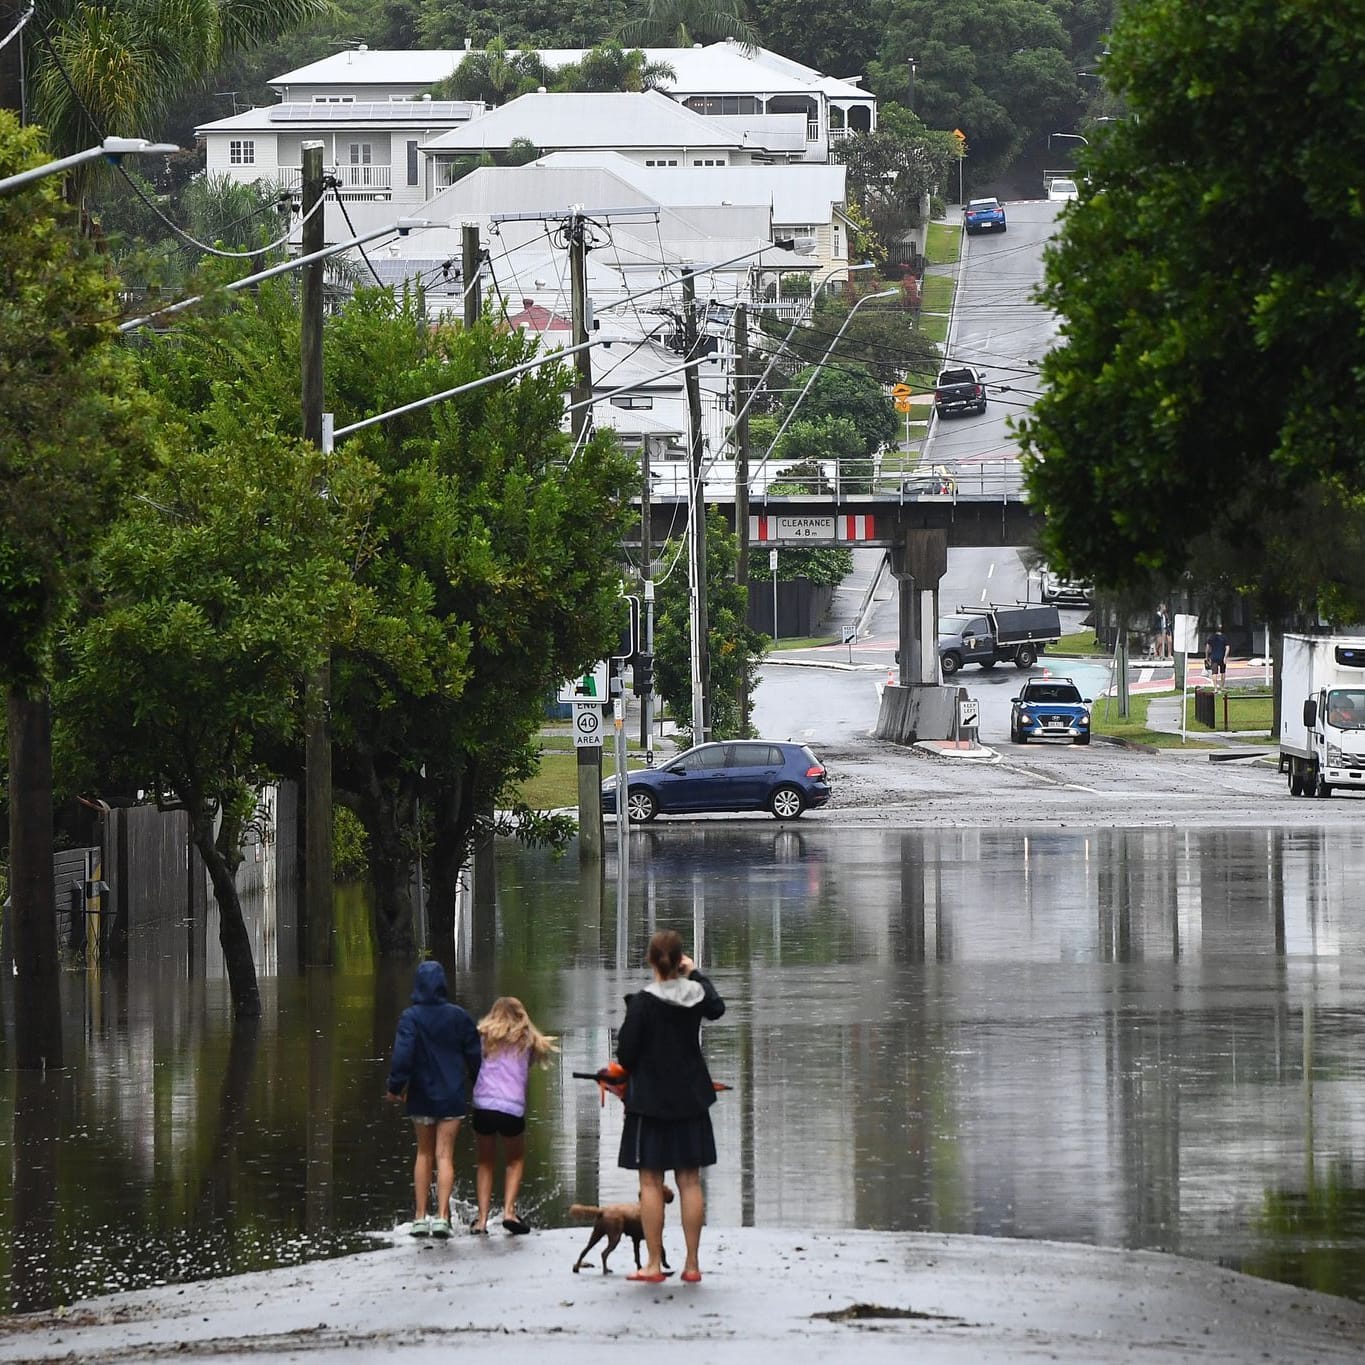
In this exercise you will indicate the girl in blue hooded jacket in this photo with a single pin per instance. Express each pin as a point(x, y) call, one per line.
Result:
point(436, 1044)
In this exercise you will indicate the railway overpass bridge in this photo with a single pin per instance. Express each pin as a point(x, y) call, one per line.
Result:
point(986, 508)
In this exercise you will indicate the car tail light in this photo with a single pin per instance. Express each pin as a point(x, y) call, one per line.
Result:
point(976, 390)
point(816, 771)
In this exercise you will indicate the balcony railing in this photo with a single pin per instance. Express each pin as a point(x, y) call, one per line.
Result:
point(375, 178)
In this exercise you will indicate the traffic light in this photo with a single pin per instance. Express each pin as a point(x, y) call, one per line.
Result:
point(644, 674)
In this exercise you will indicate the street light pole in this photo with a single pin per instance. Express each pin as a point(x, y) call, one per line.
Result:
point(112, 149)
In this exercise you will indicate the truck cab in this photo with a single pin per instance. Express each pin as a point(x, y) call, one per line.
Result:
point(965, 640)
point(1322, 714)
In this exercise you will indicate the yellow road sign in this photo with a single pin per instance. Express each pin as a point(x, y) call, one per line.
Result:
point(902, 405)
point(900, 391)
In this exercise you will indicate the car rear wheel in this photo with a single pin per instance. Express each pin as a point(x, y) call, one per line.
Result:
point(950, 664)
point(1025, 656)
point(786, 803)
point(641, 806)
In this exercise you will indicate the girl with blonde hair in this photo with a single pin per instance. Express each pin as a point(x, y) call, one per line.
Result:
point(511, 1042)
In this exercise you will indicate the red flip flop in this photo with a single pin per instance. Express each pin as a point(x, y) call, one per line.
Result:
point(641, 1278)
point(691, 1277)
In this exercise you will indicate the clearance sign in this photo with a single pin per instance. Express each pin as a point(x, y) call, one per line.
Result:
point(810, 530)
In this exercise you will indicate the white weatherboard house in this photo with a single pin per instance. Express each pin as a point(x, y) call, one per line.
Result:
point(739, 86)
point(372, 148)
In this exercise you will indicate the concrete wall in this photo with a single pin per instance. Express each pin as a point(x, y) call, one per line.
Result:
point(917, 712)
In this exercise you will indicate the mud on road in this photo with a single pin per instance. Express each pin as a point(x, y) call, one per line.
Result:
point(877, 783)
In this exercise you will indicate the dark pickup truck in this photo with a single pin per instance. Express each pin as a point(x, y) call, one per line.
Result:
point(992, 635)
point(960, 389)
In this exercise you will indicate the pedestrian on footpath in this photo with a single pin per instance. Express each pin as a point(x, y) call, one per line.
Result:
point(668, 1097)
point(436, 1044)
point(511, 1043)
point(1216, 657)
point(1161, 632)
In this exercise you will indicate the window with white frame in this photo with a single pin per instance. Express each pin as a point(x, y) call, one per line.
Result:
point(660, 161)
point(633, 401)
point(710, 161)
point(242, 152)
point(361, 153)
point(723, 104)
point(333, 99)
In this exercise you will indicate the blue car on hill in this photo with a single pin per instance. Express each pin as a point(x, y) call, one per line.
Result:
point(740, 774)
point(1050, 708)
point(984, 215)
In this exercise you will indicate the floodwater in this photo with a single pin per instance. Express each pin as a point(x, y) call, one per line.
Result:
point(1135, 1038)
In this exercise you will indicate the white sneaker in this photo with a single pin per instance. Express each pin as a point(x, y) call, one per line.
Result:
point(438, 1227)
point(420, 1227)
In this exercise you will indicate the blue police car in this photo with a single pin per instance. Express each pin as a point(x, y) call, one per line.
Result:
point(1050, 708)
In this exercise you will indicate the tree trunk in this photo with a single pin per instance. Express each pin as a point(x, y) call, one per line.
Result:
point(454, 819)
point(221, 857)
point(388, 816)
point(37, 1002)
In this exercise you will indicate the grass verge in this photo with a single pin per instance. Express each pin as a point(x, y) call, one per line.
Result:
point(943, 243)
point(936, 293)
point(1251, 716)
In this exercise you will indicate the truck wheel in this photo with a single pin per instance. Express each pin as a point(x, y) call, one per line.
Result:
point(1295, 781)
point(950, 663)
point(1321, 788)
point(1025, 656)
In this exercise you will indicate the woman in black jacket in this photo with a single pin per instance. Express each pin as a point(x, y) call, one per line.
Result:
point(668, 1096)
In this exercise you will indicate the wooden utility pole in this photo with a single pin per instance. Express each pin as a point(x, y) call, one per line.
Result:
point(318, 738)
point(590, 837)
point(742, 484)
point(701, 700)
point(470, 257)
point(647, 592)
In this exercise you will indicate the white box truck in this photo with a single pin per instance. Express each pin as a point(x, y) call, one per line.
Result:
point(1322, 713)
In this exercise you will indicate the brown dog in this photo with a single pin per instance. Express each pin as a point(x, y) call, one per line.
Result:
point(614, 1222)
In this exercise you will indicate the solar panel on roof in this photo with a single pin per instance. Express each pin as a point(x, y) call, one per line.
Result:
point(390, 111)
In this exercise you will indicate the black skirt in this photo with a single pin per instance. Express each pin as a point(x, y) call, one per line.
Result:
point(667, 1144)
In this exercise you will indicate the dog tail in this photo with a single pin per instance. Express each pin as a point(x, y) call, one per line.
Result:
point(583, 1211)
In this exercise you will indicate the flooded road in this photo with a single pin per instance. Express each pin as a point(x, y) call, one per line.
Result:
point(1130, 1037)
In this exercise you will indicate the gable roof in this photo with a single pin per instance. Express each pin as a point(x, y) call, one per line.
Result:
point(303, 115)
point(716, 68)
point(589, 120)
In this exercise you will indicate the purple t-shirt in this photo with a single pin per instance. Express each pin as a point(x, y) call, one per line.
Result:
point(502, 1081)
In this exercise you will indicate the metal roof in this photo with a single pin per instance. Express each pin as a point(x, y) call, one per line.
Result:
point(553, 121)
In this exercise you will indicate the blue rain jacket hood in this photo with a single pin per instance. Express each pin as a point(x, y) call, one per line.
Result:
point(437, 1044)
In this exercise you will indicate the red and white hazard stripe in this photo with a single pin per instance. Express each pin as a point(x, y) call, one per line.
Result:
point(855, 528)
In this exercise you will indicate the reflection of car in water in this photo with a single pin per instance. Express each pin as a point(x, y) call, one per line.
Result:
point(1050, 708)
point(739, 775)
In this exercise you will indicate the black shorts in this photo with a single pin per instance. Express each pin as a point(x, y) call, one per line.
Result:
point(494, 1123)
point(1218, 666)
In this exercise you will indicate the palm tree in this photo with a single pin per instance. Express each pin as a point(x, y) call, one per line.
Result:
point(113, 69)
point(680, 23)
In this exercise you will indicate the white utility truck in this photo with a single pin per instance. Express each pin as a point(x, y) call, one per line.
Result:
point(1322, 713)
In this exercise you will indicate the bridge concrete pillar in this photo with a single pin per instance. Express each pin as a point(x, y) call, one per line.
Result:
point(919, 559)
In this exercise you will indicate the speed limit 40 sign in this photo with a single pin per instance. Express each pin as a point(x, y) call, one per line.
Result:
point(587, 725)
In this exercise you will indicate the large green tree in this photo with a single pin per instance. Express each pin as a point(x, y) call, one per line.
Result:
point(216, 591)
point(71, 433)
point(1002, 71)
point(846, 391)
point(1207, 391)
point(510, 543)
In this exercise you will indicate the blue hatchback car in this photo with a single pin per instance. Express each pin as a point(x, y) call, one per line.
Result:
point(984, 215)
point(739, 774)
point(1050, 708)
